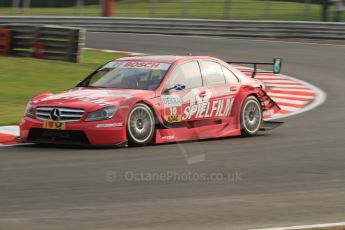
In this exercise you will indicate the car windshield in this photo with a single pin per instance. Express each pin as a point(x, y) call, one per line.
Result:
point(129, 75)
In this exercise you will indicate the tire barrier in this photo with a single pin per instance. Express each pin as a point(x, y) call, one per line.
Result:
point(5, 41)
point(47, 42)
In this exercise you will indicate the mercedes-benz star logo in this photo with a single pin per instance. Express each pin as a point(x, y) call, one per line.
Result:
point(55, 115)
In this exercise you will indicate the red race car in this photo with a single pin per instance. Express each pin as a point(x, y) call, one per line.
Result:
point(152, 99)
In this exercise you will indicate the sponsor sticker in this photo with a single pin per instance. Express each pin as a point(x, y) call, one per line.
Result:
point(111, 125)
point(173, 118)
point(172, 108)
point(54, 125)
point(137, 65)
point(168, 137)
point(171, 100)
point(194, 105)
point(216, 108)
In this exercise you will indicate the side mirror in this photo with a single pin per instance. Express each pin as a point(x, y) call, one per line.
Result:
point(277, 65)
point(175, 87)
point(79, 84)
point(179, 86)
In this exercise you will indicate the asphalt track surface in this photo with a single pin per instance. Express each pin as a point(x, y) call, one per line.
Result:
point(293, 175)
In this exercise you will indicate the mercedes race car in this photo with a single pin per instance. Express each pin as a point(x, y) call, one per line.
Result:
point(152, 99)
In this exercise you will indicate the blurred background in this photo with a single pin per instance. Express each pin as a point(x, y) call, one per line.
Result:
point(294, 10)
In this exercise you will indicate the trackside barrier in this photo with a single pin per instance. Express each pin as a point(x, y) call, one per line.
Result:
point(5, 41)
point(61, 43)
point(48, 42)
point(22, 37)
point(37, 50)
point(195, 27)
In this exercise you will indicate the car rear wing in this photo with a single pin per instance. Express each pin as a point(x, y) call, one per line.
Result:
point(277, 65)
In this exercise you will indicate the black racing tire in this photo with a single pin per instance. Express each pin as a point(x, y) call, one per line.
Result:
point(140, 125)
point(251, 117)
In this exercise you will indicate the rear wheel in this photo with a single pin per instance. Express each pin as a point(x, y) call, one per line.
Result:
point(251, 116)
point(140, 125)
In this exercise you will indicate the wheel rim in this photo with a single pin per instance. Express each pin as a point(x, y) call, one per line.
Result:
point(140, 124)
point(252, 116)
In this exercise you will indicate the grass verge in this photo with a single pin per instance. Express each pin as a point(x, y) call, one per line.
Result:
point(22, 78)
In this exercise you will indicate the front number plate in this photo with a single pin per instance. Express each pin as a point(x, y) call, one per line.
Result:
point(54, 125)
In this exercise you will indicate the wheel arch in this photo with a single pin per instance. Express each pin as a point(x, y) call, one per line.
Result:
point(239, 103)
point(131, 107)
point(245, 131)
point(158, 119)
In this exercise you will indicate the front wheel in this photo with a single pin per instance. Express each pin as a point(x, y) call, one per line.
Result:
point(251, 116)
point(140, 125)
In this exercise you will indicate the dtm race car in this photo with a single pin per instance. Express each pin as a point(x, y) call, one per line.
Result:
point(153, 99)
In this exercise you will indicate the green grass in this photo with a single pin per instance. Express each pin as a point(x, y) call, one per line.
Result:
point(240, 9)
point(22, 78)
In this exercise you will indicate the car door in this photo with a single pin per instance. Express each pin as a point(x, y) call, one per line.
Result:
point(232, 81)
point(180, 96)
point(223, 87)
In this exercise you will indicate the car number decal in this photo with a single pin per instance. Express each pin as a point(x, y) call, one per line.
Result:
point(172, 105)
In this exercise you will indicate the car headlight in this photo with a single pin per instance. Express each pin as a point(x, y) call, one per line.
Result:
point(102, 114)
point(30, 111)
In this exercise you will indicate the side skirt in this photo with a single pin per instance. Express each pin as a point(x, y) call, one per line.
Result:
point(198, 133)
